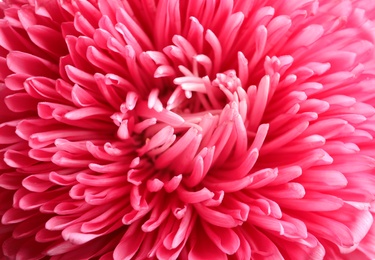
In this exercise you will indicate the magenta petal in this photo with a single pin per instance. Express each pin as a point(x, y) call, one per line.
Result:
point(52, 45)
point(126, 250)
point(225, 239)
point(192, 129)
point(206, 250)
point(19, 62)
point(20, 102)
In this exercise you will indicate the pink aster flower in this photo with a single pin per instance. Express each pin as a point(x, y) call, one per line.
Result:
point(198, 129)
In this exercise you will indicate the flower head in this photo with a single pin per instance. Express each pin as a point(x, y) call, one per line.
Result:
point(187, 129)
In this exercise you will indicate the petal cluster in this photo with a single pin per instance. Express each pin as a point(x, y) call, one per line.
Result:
point(176, 129)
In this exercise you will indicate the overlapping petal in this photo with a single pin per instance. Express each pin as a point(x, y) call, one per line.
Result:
point(187, 129)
